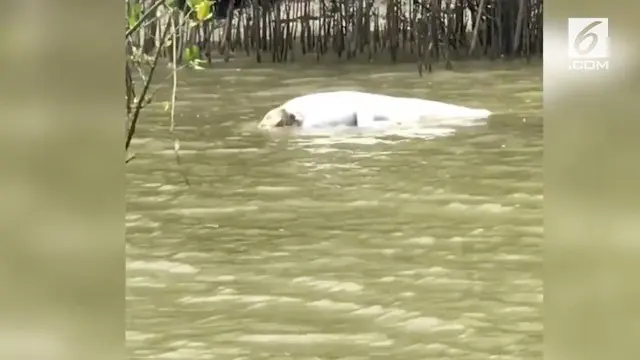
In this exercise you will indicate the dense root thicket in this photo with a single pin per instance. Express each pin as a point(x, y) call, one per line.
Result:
point(399, 30)
point(426, 31)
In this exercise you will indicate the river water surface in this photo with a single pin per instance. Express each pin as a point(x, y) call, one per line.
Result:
point(402, 246)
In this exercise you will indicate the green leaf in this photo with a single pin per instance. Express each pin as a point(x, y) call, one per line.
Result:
point(134, 14)
point(196, 66)
point(196, 52)
point(187, 54)
point(191, 53)
point(203, 10)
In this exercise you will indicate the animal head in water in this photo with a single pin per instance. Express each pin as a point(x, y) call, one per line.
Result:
point(279, 117)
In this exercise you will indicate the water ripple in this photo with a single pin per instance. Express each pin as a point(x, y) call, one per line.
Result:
point(412, 244)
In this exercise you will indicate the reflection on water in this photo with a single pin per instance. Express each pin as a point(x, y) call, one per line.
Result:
point(351, 246)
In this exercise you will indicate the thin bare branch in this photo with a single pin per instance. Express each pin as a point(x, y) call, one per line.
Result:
point(136, 113)
point(145, 16)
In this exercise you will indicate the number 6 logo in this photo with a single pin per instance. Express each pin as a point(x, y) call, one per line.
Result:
point(585, 34)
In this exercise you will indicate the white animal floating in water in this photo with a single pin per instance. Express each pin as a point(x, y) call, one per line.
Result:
point(360, 109)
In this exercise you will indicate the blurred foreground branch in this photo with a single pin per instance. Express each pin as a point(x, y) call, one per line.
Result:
point(158, 19)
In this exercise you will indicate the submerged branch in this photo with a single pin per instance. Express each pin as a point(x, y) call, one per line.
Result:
point(129, 158)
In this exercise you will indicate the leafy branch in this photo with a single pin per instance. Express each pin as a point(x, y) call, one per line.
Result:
point(136, 22)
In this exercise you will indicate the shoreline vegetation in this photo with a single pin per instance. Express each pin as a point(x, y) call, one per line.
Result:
point(434, 34)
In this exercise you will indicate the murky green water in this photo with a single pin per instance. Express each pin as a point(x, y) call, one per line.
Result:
point(404, 246)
